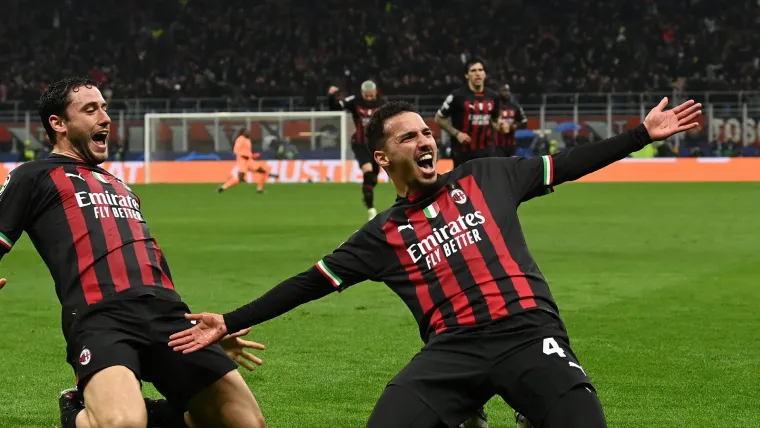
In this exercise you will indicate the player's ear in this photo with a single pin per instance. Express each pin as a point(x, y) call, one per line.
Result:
point(381, 158)
point(57, 123)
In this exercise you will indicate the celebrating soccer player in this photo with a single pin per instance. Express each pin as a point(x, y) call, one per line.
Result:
point(511, 118)
point(469, 115)
point(118, 299)
point(452, 248)
point(247, 161)
point(361, 110)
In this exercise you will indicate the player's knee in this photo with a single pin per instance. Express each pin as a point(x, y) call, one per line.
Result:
point(123, 418)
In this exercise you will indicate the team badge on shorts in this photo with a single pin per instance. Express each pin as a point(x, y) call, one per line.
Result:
point(458, 196)
point(84, 357)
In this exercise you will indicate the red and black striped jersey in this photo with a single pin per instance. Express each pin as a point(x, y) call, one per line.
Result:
point(514, 115)
point(455, 254)
point(471, 113)
point(361, 110)
point(88, 228)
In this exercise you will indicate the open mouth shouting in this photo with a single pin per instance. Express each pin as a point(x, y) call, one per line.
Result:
point(100, 140)
point(426, 164)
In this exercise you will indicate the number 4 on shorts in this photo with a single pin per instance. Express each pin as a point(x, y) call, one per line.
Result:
point(551, 347)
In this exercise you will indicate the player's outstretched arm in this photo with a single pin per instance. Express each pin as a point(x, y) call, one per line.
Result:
point(355, 261)
point(658, 125)
point(532, 177)
point(284, 297)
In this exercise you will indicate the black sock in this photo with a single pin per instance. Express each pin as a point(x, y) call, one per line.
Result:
point(368, 189)
point(164, 415)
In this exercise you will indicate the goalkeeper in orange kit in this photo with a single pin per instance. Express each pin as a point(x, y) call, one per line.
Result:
point(247, 161)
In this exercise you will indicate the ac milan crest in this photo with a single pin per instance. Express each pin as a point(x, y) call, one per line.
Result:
point(458, 196)
point(84, 357)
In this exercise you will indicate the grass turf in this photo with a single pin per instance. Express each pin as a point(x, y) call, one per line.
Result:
point(658, 284)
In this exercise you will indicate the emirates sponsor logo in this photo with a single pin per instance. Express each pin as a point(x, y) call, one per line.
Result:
point(107, 204)
point(448, 240)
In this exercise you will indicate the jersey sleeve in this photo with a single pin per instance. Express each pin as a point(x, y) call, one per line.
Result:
point(352, 262)
point(15, 207)
point(496, 111)
point(448, 106)
point(532, 177)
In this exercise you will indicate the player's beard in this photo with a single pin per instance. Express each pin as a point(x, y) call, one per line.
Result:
point(80, 143)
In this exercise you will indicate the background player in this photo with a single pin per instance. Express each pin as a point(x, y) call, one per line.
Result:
point(469, 115)
point(111, 277)
point(511, 118)
point(361, 110)
point(452, 248)
point(247, 161)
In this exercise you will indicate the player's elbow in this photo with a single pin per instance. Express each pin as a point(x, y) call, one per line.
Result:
point(439, 119)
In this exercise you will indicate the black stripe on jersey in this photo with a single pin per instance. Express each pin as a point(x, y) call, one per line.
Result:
point(153, 260)
point(434, 285)
point(449, 213)
point(96, 235)
point(491, 258)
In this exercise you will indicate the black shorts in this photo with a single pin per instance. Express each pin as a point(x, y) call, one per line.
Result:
point(363, 156)
point(133, 331)
point(525, 358)
point(460, 158)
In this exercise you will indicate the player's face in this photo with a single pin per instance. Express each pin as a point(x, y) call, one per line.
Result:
point(505, 94)
point(369, 95)
point(476, 75)
point(410, 153)
point(88, 125)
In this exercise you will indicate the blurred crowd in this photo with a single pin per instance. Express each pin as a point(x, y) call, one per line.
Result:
point(246, 49)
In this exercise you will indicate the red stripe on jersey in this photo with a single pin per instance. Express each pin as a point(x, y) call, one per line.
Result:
point(165, 281)
point(81, 235)
point(421, 286)
point(465, 124)
point(447, 279)
point(114, 242)
point(511, 267)
point(497, 306)
point(141, 250)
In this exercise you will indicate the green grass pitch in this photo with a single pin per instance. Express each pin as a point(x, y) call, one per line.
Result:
point(659, 285)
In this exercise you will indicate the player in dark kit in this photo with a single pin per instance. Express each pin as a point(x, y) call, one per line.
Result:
point(361, 110)
point(112, 279)
point(453, 250)
point(511, 117)
point(470, 116)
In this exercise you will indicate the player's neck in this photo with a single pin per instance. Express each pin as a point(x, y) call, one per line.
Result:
point(476, 89)
point(66, 150)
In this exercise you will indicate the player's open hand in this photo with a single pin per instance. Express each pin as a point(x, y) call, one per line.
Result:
point(661, 124)
point(235, 347)
point(333, 90)
point(3, 281)
point(210, 328)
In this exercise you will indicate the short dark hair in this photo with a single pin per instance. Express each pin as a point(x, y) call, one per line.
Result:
point(472, 61)
point(56, 97)
point(376, 127)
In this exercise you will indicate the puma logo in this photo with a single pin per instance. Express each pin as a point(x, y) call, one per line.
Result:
point(406, 226)
point(79, 176)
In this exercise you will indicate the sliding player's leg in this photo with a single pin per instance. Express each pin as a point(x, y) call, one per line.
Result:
point(262, 171)
point(114, 400)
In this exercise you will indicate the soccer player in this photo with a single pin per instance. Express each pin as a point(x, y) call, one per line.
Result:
point(361, 110)
point(111, 277)
point(247, 161)
point(469, 115)
point(511, 117)
point(452, 248)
